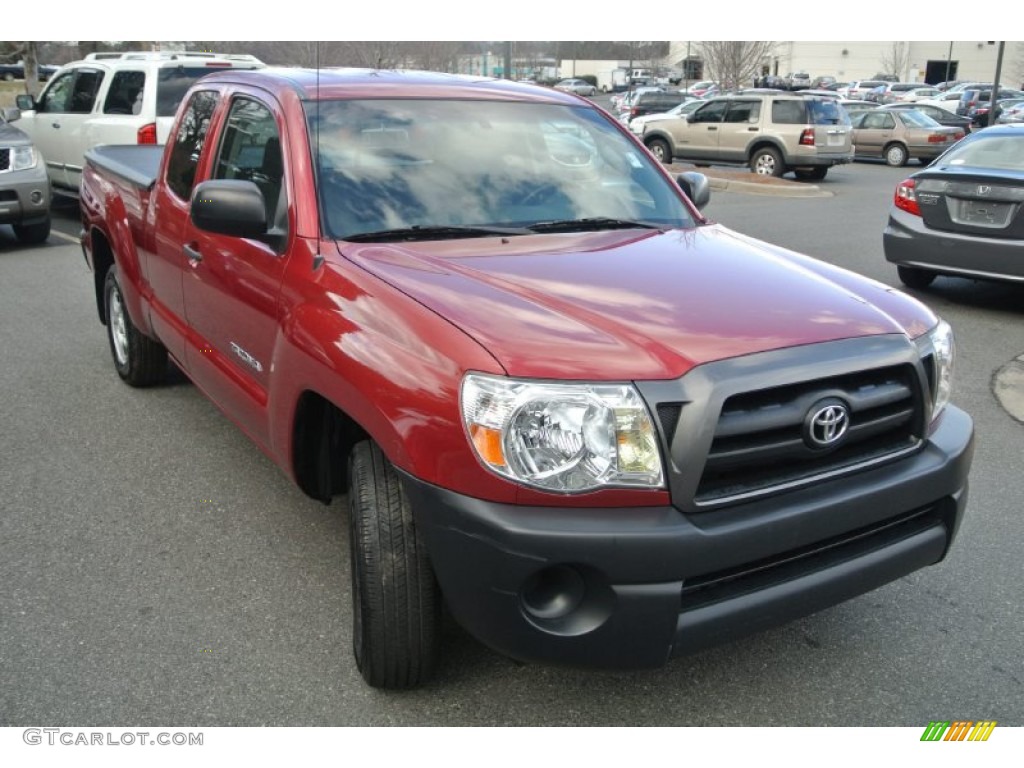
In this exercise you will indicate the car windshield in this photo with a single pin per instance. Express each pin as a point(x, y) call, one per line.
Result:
point(918, 119)
point(427, 164)
point(991, 151)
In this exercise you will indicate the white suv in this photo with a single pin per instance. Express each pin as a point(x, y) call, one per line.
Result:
point(113, 98)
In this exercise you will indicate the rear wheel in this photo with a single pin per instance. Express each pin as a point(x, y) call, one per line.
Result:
point(915, 277)
point(33, 234)
point(661, 150)
point(395, 600)
point(139, 360)
point(767, 162)
point(896, 155)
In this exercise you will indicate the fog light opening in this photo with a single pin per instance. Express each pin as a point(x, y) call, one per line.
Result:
point(36, 197)
point(553, 593)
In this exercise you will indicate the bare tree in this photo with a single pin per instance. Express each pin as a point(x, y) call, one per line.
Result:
point(734, 63)
point(896, 60)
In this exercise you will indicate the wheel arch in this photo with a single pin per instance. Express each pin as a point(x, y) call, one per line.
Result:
point(323, 436)
point(763, 142)
point(102, 261)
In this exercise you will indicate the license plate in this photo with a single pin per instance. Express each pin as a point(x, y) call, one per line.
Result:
point(836, 139)
point(982, 213)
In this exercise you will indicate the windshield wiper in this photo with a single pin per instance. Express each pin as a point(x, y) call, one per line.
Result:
point(591, 224)
point(433, 233)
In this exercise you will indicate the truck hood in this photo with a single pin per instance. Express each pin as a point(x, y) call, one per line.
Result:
point(624, 305)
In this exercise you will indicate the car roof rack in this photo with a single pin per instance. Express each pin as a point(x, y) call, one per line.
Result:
point(171, 56)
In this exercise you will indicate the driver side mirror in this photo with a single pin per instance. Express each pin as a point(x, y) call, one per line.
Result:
point(696, 187)
point(229, 207)
point(10, 114)
point(25, 102)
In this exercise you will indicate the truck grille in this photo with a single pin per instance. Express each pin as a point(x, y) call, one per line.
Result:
point(5, 159)
point(762, 438)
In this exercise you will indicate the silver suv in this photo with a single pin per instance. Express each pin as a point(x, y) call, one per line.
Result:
point(24, 188)
point(771, 131)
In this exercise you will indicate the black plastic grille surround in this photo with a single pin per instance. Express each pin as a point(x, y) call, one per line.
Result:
point(5, 159)
point(760, 439)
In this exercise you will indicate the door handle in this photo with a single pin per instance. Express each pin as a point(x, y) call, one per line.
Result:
point(193, 254)
point(712, 127)
point(55, 125)
point(753, 128)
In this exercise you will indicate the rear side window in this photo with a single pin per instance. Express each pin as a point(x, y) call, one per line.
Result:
point(171, 85)
point(788, 112)
point(125, 94)
point(743, 112)
point(188, 143)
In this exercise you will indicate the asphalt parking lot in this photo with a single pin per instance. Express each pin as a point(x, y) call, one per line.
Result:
point(157, 568)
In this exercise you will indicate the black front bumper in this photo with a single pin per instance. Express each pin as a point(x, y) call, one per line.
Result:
point(634, 587)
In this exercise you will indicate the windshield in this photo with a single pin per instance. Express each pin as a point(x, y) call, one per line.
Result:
point(981, 151)
point(427, 164)
point(918, 119)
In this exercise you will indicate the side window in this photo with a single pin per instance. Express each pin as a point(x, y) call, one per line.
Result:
point(712, 112)
point(743, 112)
point(888, 121)
point(251, 151)
point(58, 94)
point(125, 94)
point(83, 95)
point(788, 112)
point(188, 143)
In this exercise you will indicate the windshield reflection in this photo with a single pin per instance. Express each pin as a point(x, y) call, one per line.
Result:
point(394, 164)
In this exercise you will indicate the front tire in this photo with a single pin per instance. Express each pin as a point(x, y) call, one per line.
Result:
point(395, 600)
point(896, 155)
point(661, 150)
point(915, 277)
point(139, 361)
point(33, 234)
point(767, 162)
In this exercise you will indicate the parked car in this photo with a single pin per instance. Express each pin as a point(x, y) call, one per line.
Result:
point(973, 98)
point(577, 86)
point(939, 115)
point(772, 132)
point(1012, 114)
point(702, 88)
point(112, 98)
point(900, 135)
point(823, 81)
point(638, 124)
point(978, 115)
point(654, 102)
point(859, 89)
point(894, 92)
point(799, 80)
point(622, 101)
point(24, 189)
point(10, 72)
point(591, 425)
point(962, 216)
point(919, 93)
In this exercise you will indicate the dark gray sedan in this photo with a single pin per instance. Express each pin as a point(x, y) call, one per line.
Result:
point(964, 214)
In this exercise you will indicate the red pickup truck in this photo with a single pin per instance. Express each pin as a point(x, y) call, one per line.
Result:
point(598, 427)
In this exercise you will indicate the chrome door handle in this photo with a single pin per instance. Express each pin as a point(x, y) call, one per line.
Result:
point(193, 254)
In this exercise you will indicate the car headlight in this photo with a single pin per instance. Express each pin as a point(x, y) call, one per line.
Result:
point(944, 349)
point(567, 438)
point(22, 158)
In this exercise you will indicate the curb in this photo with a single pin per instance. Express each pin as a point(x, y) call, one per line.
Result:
point(1008, 387)
point(782, 189)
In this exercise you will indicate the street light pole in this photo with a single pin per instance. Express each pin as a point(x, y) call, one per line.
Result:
point(949, 61)
point(995, 86)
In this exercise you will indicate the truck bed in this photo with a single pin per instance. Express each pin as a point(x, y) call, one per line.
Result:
point(136, 164)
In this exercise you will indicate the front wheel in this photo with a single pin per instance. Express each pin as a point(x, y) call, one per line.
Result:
point(138, 359)
point(915, 277)
point(395, 600)
point(661, 150)
point(896, 155)
point(767, 162)
point(33, 234)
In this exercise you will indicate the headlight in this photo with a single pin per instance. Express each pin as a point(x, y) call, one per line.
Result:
point(22, 158)
point(567, 438)
point(942, 343)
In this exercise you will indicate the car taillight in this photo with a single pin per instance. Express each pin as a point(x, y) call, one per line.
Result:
point(936, 138)
point(807, 137)
point(958, 135)
point(905, 199)
point(146, 134)
point(634, 111)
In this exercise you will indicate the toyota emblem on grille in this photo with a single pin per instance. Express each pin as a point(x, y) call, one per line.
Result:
point(826, 423)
